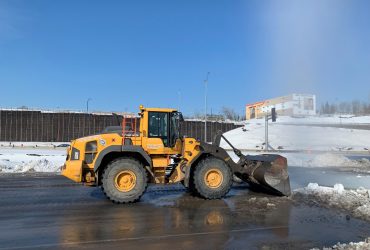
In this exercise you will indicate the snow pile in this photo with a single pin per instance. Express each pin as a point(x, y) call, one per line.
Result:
point(8, 144)
point(362, 245)
point(41, 165)
point(356, 202)
point(326, 160)
point(31, 160)
point(293, 137)
point(329, 160)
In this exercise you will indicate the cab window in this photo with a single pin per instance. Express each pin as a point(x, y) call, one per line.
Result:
point(158, 126)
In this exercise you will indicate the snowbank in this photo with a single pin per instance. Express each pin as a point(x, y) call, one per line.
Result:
point(355, 202)
point(292, 137)
point(31, 160)
point(8, 144)
point(362, 245)
point(327, 160)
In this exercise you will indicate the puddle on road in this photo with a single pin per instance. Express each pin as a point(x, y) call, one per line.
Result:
point(243, 220)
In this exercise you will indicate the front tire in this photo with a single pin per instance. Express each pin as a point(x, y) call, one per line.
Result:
point(124, 180)
point(212, 178)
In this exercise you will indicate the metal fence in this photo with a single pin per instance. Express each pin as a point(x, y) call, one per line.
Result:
point(23, 125)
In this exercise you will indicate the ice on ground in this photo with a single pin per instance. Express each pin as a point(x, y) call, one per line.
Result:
point(31, 160)
point(292, 137)
point(355, 202)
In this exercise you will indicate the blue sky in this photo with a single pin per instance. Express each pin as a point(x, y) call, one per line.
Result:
point(57, 54)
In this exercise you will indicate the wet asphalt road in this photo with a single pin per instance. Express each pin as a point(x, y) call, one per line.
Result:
point(41, 211)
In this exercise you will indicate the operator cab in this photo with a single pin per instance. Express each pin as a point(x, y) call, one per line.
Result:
point(166, 126)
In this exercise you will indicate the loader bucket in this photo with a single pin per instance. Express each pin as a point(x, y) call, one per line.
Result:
point(269, 174)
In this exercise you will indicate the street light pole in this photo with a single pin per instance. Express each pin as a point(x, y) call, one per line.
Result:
point(87, 105)
point(205, 107)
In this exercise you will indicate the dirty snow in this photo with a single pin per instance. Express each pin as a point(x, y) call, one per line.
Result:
point(362, 245)
point(17, 160)
point(355, 202)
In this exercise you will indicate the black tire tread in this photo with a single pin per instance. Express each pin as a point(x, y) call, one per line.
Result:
point(199, 187)
point(111, 165)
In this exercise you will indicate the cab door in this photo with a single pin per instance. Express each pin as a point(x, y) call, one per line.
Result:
point(161, 138)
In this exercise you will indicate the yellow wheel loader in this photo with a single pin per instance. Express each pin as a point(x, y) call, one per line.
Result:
point(150, 149)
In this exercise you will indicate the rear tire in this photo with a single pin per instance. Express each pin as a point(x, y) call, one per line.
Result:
point(124, 180)
point(212, 178)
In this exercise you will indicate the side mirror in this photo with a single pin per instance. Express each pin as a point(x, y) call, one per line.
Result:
point(273, 115)
point(181, 118)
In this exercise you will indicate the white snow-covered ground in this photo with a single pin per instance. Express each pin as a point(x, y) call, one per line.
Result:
point(8, 144)
point(327, 119)
point(318, 146)
point(329, 159)
point(291, 137)
point(20, 160)
point(362, 164)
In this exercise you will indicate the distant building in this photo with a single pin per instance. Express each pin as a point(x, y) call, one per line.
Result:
point(290, 105)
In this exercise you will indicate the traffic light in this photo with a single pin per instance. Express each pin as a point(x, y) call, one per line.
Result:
point(273, 115)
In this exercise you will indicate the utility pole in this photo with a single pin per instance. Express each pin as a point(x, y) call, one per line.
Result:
point(87, 105)
point(267, 118)
point(205, 107)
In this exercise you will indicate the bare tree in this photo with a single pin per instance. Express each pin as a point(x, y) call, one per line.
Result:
point(229, 113)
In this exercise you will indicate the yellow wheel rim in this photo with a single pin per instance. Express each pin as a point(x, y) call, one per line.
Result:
point(213, 178)
point(125, 181)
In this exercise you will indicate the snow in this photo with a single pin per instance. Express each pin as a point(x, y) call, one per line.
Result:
point(362, 245)
point(355, 202)
point(332, 119)
point(292, 137)
point(329, 159)
point(20, 160)
point(8, 144)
